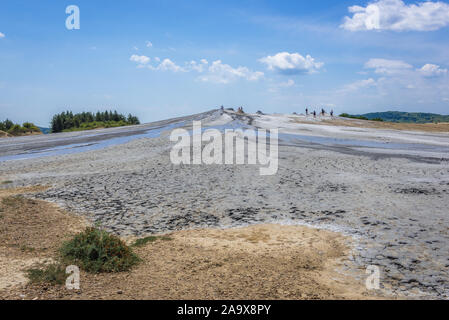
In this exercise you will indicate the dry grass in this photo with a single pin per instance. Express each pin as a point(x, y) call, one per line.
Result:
point(31, 231)
point(424, 127)
point(4, 134)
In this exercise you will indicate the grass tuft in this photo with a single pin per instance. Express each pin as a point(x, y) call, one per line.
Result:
point(95, 250)
point(143, 241)
point(51, 274)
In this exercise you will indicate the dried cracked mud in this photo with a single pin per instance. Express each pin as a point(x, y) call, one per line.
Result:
point(396, 208)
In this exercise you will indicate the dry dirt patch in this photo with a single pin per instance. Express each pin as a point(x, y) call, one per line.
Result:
point(30, 233)
point(4, 134)
point(257, 262)
point(424, 127)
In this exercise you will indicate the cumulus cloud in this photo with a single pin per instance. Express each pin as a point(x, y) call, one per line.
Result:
point(219, 72)
point(167, 65)
point(360, 84)
point(198, 66)
point(291, 63)
point(397, 82)
point(432, 70)
point(148, 44)
point(395, 15)
point(142, 60)
point(385, 66)
point(2, 35)
point(216, 72)
point(403, 69)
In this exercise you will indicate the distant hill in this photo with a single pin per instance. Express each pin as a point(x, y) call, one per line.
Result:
point(45, 130)
point(407, 117)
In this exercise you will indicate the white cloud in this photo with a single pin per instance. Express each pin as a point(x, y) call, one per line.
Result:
point(291, 63)
point(148, 44)
point(275, 87)
point(432, 70)
point(219, 72)
point(198, 67)
point(165, 65)
point(287, 84)
point(403, 69)
point(395, 15)
point(384, 66)
point(2, 35)
point(360, 84)
point(168, 65)
point(140, 59)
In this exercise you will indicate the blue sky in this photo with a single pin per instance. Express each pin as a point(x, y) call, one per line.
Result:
point(159, 59)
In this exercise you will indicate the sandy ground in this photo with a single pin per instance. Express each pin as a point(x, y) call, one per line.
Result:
point(257, 262)
point(4, 134)
point(24, 237)
point(393, 206)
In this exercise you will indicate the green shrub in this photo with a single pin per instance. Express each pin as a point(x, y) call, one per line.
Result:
point(16, 130)
point(52, 274)
point(96, 251)
point(31, 127)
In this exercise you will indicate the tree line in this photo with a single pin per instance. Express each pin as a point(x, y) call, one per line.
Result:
point(408, 117)
point(67, 121)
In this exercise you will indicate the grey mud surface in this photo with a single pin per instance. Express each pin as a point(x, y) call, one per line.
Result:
point(396, 207)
